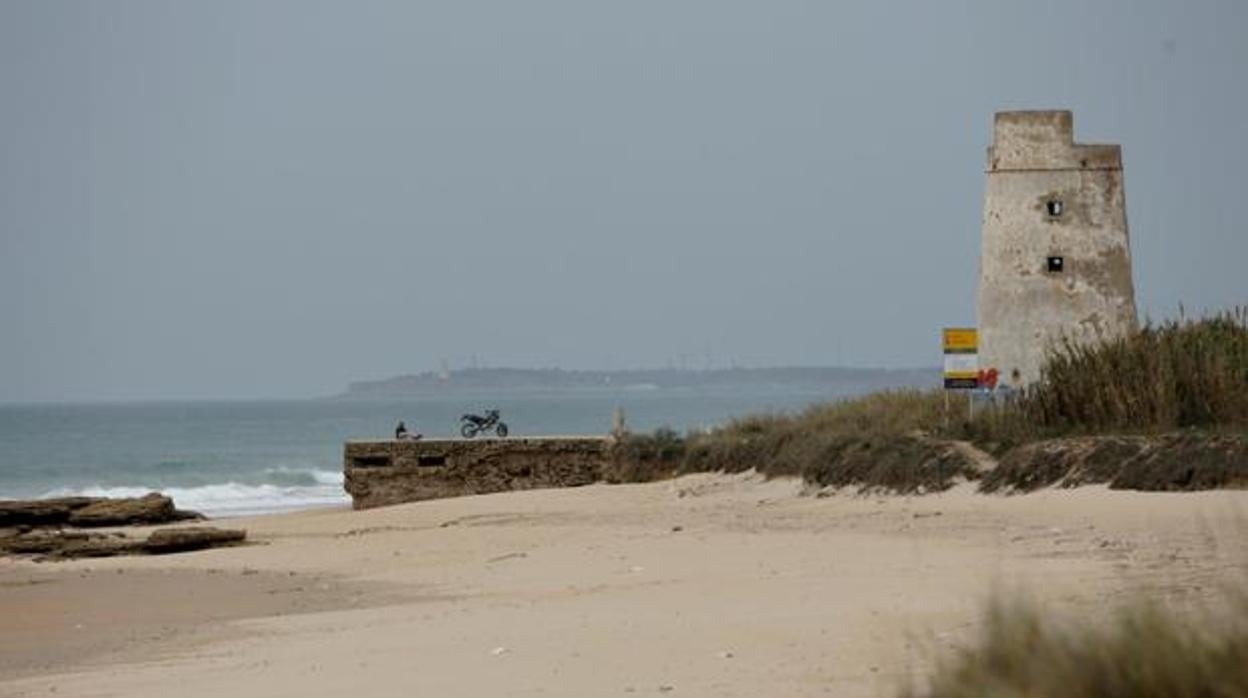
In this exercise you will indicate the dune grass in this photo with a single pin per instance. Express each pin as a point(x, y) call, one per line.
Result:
point(1178, 375)
point(876, 440)
point(1144, 650)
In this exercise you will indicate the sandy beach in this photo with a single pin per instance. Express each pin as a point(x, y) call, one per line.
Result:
point(709, 585)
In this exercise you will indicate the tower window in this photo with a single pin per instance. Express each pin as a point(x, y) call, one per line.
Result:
point(1056, 265)
point(1054, 207)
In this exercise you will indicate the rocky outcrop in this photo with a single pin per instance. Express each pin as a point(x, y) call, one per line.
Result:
point(47, 544)
point(87, 512)
point(148, 509)
point(380, 473)
point(55, 544)
point(178, 540)
point(40, 512)
point(46, 528)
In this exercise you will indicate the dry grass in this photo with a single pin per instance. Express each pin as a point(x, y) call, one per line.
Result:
point(1179, 375)
point(1176, 375)
point(1146, 650)
point(881, 440)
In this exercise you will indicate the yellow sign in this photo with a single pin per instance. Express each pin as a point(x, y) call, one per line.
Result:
point(961, 340)
point(961, 358)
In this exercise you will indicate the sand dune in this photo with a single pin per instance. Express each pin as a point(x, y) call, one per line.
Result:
point(709, 585)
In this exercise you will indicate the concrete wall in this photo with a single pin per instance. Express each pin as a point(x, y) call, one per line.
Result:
point(1024, 306)
point(380, 473)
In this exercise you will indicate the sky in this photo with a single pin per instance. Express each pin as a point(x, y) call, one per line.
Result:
point(238, 199)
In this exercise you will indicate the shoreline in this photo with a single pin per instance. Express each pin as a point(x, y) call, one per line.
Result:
point(200, 499)
point(709, 584)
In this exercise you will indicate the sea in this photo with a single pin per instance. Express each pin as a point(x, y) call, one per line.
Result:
point(228, 459)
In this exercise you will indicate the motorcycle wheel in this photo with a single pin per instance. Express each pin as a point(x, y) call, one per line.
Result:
point(468, 431)
point(501, 430)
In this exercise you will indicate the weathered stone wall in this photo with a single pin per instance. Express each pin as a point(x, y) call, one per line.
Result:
point(1024, 305)
point(381, 473)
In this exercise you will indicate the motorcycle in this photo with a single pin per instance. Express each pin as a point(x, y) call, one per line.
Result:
point(473, 424)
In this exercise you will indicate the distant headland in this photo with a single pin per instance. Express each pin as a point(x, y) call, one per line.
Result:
point(521, 380)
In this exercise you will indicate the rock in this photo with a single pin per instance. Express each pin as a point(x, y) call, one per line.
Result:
point(64, 545)
point(29, 544)
point(41, 512)
point(150, 508)
point(176, 540)
point(61, 545)
point(99, 546)
point(187, 515)
point(91, 511)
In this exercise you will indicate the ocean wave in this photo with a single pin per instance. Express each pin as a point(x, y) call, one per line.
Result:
point(294, 476)
point(236, 499)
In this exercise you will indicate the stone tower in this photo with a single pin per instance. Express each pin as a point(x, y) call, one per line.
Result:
point(1055, 260)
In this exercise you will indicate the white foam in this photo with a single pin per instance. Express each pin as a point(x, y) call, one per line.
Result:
point(329, 477)
point(233, 498)
point(320, 477)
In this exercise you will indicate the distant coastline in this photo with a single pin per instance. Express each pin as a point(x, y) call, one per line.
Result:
point(522, 380)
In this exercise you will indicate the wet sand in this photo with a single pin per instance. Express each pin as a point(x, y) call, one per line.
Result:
point(707, 585)
point(55, 620)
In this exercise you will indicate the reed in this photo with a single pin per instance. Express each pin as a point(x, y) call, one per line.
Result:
point(1177, 375)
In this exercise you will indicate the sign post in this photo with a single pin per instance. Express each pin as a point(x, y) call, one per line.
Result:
point(961, 345)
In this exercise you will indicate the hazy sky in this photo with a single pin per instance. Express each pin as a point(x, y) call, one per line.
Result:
point(220, 199)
